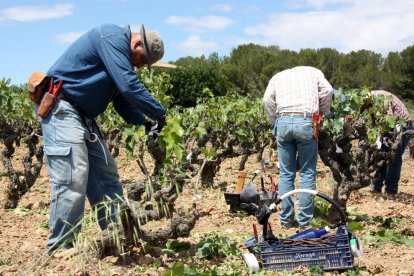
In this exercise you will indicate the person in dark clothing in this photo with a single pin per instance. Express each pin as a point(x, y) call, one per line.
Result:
point(389, 176)
point(97, 69)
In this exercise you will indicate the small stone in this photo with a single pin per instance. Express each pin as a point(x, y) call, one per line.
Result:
point(375, 269)
point(40, 231)
point(80, 272)
point(145, 260)
point(112, 259)
point(161, 270)
point(60, 267)
point(28, 205)
point(38, 205)
point(229, 231)
point(64, 255)
point(153, 251)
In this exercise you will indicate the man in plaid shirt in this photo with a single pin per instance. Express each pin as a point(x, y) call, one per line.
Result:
point(291, 99)
point(391, 174)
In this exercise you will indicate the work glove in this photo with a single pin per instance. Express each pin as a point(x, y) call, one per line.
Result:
point(154, 129)
point(161, 123)
point(148, 125)
point(151, 129)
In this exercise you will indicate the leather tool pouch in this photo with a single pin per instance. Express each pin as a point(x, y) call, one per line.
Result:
point(315, 130)
point(316, 124)
point(46, 105)
point(36, 85)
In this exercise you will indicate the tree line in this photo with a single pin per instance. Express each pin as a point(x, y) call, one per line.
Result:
point(248, 69)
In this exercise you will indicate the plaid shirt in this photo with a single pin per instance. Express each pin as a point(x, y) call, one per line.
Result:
point(300, 89)
point(397, 107)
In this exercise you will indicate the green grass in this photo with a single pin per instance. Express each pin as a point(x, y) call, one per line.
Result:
point(5, 261)
point(43, 224)
point(21, 211)
point(410, 107)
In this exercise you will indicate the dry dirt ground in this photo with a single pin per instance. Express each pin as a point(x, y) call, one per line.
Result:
point(23, 231)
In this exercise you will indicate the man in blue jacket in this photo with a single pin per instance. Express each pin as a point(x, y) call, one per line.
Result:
point(98, 68)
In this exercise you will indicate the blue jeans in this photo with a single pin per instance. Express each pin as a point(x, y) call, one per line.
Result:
point(294, 137)
point(390, 175)
point(77, 168)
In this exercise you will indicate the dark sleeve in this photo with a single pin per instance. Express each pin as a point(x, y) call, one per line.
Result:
point(131, 115)
point(114, 51)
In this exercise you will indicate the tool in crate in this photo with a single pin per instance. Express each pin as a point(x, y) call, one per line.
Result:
point(331, 250)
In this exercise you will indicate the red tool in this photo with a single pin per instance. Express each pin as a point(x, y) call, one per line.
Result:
point(317, 118)
point(269, 228)
point(316, 123)
point(52, 89)
point(273, 187)
point(272, 180)
point(49, 99)
point(255, 232)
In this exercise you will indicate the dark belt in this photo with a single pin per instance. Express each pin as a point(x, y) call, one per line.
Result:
point(65, 98)
point(296, 114)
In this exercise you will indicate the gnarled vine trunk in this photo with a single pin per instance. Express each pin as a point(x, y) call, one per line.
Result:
point(352, 160)
point(20, 181)
point(143, 206)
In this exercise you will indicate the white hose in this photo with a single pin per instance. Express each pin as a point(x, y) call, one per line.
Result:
point(306, 191)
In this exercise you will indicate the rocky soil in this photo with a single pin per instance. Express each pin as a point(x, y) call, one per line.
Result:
point(23, 231)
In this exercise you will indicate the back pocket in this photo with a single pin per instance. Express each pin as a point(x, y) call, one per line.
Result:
point(59, 164)
point(305, 133)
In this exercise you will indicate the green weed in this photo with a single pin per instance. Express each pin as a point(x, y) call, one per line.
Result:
point(5, 261)
point(217, 246)
point(385, 235)
point(43, 225)
point(179, 269)
point(321, 207)
point(175, 246)
point(21, 211)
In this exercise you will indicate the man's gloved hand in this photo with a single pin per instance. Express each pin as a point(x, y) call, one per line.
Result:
point(154, 129)
point(151, 129)
point(148, 125)
point(161, 123)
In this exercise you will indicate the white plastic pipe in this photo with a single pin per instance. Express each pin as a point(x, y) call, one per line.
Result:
point(306, 191)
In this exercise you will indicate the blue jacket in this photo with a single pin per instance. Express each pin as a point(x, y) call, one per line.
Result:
point(96, 70)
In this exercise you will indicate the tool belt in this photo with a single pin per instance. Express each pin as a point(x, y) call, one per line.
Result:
point(36, 85)
point(316, 123)
point(49, 98)
point(42, 91)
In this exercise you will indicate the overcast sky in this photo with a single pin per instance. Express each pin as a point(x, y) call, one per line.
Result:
point(35, 33)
